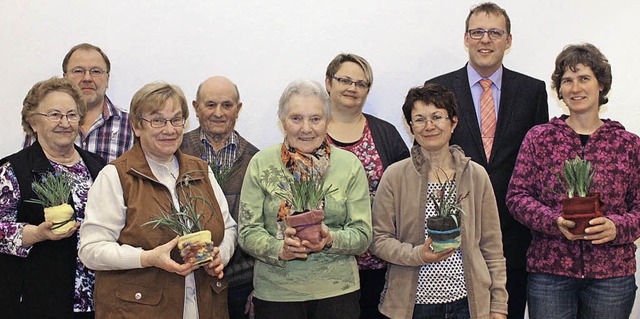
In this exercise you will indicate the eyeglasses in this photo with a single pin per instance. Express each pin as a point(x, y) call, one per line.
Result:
point(55, 116)
point(494, 34)
point(94, 72)
point(347, 82)
point(437, 120)
point(161, 122)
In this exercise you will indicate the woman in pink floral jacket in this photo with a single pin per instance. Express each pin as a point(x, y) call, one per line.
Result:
point(591, 275)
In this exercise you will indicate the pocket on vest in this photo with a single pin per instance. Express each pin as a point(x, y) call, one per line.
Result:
point(139, 294)
point(218, 286)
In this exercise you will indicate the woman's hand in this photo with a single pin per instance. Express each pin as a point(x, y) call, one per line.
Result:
point(565, 225)
point(429, 256)
point(32, 234)
point(292, 247)
point(214, 267)
point(160, 257)
point(601, 230)
point(325, 239)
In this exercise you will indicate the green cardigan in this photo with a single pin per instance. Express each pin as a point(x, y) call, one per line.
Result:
point(332, 272)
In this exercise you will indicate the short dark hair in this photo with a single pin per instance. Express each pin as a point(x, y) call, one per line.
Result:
point(430, 93)
point(88, 47)
point(588, 55)
point(488, 8)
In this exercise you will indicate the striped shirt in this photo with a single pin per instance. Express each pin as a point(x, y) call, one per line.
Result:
point(109, 136)
point(226, 156)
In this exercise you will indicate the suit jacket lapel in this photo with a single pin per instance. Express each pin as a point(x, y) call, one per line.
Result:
point(466, 109)
point(507, 106)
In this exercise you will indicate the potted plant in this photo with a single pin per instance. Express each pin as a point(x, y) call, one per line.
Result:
point(195, 243)
point(53, 192)
point(304, 195)
point(580, 205)
point(444, 228)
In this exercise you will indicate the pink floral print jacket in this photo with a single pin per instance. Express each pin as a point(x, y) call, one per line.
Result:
point(535, 194)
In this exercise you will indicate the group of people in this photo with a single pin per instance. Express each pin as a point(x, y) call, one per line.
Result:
point(483, 128)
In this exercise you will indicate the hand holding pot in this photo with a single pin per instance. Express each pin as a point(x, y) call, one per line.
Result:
point(565, 226)
point(325, 239)
point(160, 257)
point(429, 256)
point(33, 234)
point(292, 247)
point(214, 268)
point(601, 230)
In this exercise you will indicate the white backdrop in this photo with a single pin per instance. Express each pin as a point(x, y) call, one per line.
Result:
point(263, 45)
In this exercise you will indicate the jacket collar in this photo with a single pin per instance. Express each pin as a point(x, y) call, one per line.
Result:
point(137, 165)
point(423, 166)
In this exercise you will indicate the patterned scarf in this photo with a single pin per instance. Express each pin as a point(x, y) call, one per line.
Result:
point(302, 165)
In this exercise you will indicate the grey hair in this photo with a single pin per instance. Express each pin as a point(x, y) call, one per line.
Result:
point(303, 88)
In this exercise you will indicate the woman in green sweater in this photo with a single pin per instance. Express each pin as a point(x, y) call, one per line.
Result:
point(294, 277)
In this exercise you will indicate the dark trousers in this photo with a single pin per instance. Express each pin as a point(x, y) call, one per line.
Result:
point(371, 286)
point(458, 309)
point(340, 307)
point(237, 300)
point(517, 289)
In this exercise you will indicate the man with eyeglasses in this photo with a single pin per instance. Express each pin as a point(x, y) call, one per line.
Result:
point(106, 130)
point(217, 106)
point(497, 107)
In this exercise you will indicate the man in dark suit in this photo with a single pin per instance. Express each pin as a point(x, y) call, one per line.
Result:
point(519, 102)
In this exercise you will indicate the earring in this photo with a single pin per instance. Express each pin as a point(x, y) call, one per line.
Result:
point(451, 131)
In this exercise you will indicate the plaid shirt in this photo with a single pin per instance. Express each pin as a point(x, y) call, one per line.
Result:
point(226, 156)
point(109, 136)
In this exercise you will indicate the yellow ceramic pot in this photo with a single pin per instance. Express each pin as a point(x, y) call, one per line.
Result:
point(61, 216)
point(196, 248)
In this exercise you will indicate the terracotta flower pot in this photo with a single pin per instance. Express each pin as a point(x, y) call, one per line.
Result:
point(444, 231)
point(196, 248)
point(62, 217)
point(308, 225)
point(581, 210)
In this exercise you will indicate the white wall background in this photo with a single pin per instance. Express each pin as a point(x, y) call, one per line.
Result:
point(263, 45)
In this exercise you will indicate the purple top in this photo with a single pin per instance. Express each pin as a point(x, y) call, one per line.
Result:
point(535, 194)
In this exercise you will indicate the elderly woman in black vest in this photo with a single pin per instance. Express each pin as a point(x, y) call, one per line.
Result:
point(40, 273)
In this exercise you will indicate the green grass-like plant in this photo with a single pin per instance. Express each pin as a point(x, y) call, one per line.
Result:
point(53, 189)
point(578, 177)
point(445, 201)
point(222, 173)
point(186, 219)
point(303, 193)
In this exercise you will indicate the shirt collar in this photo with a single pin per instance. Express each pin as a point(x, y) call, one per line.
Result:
point(108, 109)
point(232, 140)
point(474, 76)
